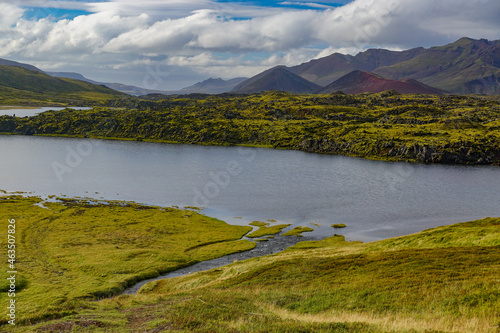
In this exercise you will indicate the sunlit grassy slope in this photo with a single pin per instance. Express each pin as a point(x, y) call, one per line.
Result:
point(445, 279)
point(71, 252)
point(21, 86)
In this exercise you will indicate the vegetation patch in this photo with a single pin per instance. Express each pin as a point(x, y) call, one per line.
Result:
point(418, 128)
point(265, 229)
point(297, 231)
point(338, 225)
point(75, 251)
point(439, 280)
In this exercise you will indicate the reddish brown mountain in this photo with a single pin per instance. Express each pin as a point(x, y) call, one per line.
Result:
point(328, 69)
point(357, 82)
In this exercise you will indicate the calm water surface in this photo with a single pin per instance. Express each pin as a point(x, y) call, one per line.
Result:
point(28, 112)
point(374, 199)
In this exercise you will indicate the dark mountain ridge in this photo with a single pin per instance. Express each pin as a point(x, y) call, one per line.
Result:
point(277, 78)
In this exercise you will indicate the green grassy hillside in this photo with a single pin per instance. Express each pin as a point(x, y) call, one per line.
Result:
point(23, 86)
point(440, 280)
point(73, 252)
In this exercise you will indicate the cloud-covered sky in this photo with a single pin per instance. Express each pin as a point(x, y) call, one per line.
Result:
point(169, 44)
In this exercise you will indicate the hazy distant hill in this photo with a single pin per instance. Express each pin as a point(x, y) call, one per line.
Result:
point(277, 78)
point(125, 88)
point(74, 76)
point(357, 82)
point(211, 86)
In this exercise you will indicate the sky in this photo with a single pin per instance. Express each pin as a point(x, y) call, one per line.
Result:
point(171, 44)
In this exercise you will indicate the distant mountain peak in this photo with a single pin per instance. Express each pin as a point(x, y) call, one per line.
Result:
point(277, 78)
point(211, 86)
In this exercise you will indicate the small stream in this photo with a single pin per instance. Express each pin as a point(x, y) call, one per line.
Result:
point(273, 245)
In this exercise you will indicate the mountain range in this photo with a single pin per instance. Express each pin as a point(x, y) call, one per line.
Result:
point(125, 88)
point(467, 66)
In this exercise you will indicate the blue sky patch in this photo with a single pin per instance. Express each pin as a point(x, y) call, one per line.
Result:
point(288, 3)
point(36, 13)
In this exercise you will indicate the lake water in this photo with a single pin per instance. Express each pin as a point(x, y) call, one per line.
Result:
point(29, 112)
point(374, 199)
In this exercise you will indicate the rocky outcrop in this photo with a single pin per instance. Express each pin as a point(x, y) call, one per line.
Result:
point(448, 154)
point(445, 154)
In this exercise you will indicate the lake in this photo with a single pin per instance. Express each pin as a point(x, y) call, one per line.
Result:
point(239, 184)
point(21, 111)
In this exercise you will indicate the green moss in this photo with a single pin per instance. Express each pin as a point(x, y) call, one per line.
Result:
point(297, 231)
point(264, 230)
point(259, 223)
point(338, 225)
point(333, 241)
point(417, 128)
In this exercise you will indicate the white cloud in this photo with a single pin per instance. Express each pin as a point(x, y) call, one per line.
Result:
point(127, 33)
point(9, 15)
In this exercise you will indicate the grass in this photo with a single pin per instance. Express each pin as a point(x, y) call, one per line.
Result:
point(297, 231)
point(20, 86)
point(264, 229)
point(75, 250)
point(444, 279)
point(439, 280)
point(338, 225)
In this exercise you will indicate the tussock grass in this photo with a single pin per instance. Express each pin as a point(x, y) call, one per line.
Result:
point(400, 285)
point(297, 231)
point(444, 279)
point(75, 251)
point(264, 229)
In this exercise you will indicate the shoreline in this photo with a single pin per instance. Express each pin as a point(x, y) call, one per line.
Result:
point(276, 244)
point(141, 262)
point(380, 158)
